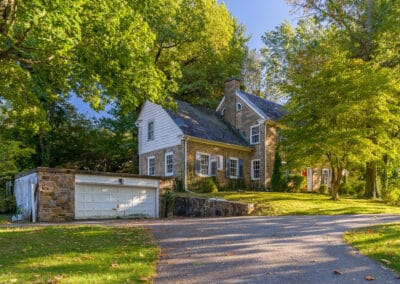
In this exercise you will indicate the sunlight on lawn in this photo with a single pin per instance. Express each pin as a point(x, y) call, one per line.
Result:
point(76, 254)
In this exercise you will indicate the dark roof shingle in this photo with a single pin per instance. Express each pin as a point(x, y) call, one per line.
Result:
point(272, 110)
point(204, 123)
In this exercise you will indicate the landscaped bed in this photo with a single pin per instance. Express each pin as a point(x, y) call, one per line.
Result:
point(76, 254)
point(381, 243)
point(278, 203)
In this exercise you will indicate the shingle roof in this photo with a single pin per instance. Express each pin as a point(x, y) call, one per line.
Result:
point(204, 123)
point(271, 110)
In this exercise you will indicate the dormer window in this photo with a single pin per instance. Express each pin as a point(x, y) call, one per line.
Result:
point(239, 107)
point(150, 130)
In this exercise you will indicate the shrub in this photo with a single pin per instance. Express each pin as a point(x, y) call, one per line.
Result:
point(7, 202)
point(204, 185)
point(392, 194)
point(323, 188)
point(296, 182)
point(278, 182)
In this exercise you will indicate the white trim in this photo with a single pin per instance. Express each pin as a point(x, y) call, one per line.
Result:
point(251, 134)
point(220, 103)
point(185, 170)
point(239, 108)
point(209, 164)
point(148, 165)
point(252, 169)
point(251, 105)
point(154, 136)
point(220, 160)
point(167, 174)
point(237, 167)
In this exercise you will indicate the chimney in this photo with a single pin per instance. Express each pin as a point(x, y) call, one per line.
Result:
point(231, 86)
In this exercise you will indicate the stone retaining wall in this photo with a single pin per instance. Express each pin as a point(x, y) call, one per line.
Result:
point(203, 207)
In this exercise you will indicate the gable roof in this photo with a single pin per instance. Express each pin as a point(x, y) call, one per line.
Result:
point(204, 123)
point(269, 110)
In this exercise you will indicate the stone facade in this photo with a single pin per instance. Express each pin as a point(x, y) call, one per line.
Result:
point(159, 156)
point(203, 207)
point(223, 181)
point(56, 195)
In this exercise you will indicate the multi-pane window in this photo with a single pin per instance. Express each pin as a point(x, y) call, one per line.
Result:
point(150, 130)
point(169, 164)
point(204, 164)
point(325, 177)
point(255, 169)
point(233, 168)
point(255, 134)
point(151, 166)
point(239, 107)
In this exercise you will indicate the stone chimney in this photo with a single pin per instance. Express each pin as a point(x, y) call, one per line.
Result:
point(231, 86)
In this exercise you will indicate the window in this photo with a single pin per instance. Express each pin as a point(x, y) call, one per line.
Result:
point(169, 164)
point(204, 164)
point(151, 166)
point(255, 134)
point(255, 169)
point(220, 163)
point(233, 169)
point(239, 107)
point(326, 177)
point(150, 130)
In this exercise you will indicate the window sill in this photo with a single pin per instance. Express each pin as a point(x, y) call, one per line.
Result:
point(169, 174)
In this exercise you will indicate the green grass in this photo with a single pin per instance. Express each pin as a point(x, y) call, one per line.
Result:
point(381, 243)
point(277, 203)
point(76, 254)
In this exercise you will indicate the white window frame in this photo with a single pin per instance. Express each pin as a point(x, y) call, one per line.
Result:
point(199, 154)
point(239, 106)
point(328, 176)
point(223, 112)
point(166, 164)
point(148, 165)
point(220, 163)
point(237, 167)
point(252, 135)
point(259, 169)
point(148, 131)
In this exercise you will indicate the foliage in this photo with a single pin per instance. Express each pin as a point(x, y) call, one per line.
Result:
point(278, 182)
point(296, 182)
point(252, 76)
point(278, 203)
point(7, 202)
point(204, 185)
point(381, 243)
point(77, 254)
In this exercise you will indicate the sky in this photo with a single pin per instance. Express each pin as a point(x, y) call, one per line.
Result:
point(258, 16)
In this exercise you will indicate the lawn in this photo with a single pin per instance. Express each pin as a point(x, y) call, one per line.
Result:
point(381, 243)
point(277, 203)
point(76, 254)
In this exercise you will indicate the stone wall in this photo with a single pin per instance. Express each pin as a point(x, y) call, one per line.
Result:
point(202, 207)
point(159, 156)
point(56, 195)
point(223, 181)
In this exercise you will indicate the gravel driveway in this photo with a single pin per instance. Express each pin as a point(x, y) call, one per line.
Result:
point(289, 249)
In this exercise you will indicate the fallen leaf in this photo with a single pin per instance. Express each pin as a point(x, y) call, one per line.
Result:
point(114, 264)
point(143, 279)
point(337, 272)
point(369, 278)
point(13, 280)
point(36, 275)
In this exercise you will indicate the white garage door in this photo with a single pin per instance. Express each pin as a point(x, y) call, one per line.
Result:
point(94, 201)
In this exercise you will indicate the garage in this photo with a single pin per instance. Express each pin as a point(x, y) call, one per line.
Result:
point(59, 195)
point(98, 197)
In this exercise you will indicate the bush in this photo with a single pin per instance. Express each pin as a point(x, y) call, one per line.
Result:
point(296, 182)
point(392, 194)
point(7, 203)
point(204, 185)
point(278, 182)
point(323, 188)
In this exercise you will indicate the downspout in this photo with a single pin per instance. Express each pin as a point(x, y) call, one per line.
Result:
point(185, 163)
point(265, 156)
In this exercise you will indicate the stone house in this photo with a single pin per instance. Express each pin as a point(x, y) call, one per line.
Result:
point(235, 144)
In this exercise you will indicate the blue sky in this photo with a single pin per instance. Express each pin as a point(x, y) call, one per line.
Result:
point(258, 16)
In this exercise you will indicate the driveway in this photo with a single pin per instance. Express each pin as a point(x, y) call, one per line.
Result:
point(290, 249)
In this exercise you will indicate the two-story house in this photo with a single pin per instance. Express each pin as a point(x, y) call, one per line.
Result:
point(235, 142)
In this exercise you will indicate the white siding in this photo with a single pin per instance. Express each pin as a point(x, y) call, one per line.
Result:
point(166, 132)
point(24, 190)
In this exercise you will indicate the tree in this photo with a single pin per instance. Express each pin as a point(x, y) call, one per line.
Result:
point(277, 180)
point(369, 30)
point(341, 109)
point(253, 73)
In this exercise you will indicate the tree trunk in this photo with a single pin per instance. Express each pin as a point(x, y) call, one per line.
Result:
point(337, 175)
point(371, 178)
